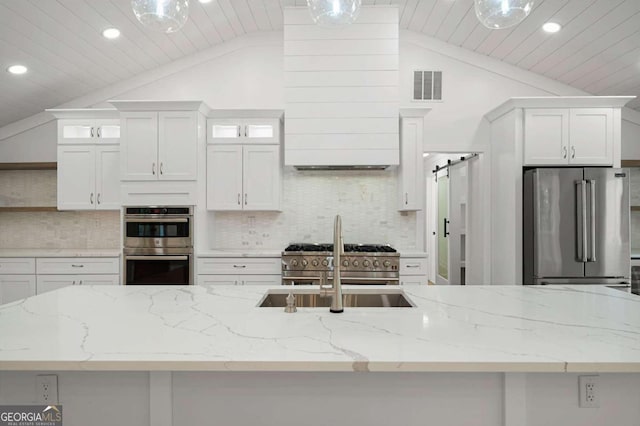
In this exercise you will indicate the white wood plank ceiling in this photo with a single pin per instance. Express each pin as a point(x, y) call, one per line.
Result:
point(598, 49)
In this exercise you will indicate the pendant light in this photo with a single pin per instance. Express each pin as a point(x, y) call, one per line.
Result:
point(334, 12)
point(499, 14)
point(166, 16)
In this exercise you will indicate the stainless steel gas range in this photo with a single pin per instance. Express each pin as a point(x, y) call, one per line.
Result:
point(361, 264)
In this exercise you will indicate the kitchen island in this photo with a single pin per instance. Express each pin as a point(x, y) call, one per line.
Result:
point(510, 355)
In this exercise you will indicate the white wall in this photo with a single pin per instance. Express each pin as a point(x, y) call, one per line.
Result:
point(34, 145)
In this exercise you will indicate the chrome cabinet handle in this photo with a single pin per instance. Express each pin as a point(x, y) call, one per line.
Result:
point(80, 283)
point(238, 198)
point(413, 266)
point(592, 243)
point(98, 198)
point(406, 198)
point(246, 132)
point(153, 169)
point(564, 152)
point(98, 132)
point(245, 198)
point(77, 266)
point(73, 282)
point(91, 132)
point(239, 132)
point(573, 152)
point(240, 266)
point(91, 198)
point(161, 168)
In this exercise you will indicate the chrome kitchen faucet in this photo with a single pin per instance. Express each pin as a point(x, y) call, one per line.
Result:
point(335, 290)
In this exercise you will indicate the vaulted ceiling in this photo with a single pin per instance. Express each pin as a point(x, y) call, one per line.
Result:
point(598, 49)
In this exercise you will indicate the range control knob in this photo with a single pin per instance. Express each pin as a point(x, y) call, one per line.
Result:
point(294, 262)
point(376, 263)
point(345, 263)
point(304, 262)
point(366, 263)
point(355, 263)
point(325, 262)
point(386, 263)
point(315, 262)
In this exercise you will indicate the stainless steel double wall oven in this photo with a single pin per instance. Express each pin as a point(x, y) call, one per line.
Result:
point(158, 245)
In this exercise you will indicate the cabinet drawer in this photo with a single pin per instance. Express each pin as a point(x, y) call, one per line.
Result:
point(17, 265)
point(417, 266)
point(413, 280)
point(78, 265)
point(234, 266)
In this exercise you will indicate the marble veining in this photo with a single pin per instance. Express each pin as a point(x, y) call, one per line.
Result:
point(478, 328)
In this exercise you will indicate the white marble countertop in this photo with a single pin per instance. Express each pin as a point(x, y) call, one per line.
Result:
point(55, 252)
point(470, 329)
point(239, 253)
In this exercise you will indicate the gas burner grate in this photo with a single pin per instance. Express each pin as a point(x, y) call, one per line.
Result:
point(348, 248)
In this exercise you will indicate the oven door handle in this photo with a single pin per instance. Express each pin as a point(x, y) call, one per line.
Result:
point(158, 257)
point(172, 220)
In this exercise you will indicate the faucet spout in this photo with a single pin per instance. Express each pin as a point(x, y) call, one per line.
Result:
point(338, 250)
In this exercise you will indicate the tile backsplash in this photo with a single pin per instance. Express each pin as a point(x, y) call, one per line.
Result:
point(366, 200)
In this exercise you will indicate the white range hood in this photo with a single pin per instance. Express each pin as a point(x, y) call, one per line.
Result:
point(341, 91)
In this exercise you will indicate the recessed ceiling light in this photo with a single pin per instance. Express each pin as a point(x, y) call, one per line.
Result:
point(205, 1)
point(552, 27)
point(111, 33)
point(425, 154)
point(17, 69)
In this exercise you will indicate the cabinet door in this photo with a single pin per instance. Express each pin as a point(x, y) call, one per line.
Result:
point(546, 136)
point(178, 145)
point(97, 280)
point(76, 177)
point(16, 287)
point(218, 280)
point(224, 177)
point(410, 164)
point(45, 283)
point(108, 177)
point(139, 146)
point(591, 137)
point(261, 177)
point(76, 131)
point(108, 131)
point(224, 130)
point(265, 131)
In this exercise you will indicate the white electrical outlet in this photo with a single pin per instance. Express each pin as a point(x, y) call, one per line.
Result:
point(589, 391)
point(47, 389)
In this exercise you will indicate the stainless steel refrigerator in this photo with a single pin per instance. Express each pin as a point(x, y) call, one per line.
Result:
point(576, 226)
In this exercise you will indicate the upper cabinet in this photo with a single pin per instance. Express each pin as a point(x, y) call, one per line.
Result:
point(159, 140)
point(244, 162)
point(88, 176)
point(79, 131)
point(159, 145)
point(568, 136)
point(411, 170)
point(238, 130)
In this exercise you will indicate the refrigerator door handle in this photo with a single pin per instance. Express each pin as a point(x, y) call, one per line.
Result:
point(592, 243)
point(581, 212)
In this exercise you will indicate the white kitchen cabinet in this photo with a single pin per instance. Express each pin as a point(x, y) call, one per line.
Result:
point(243, 130)
point(568, 136)
point(54, 273)
point(411, 164)
point(16, 287)
point(88, 177)
point(159, 145)
point(17, 265)
point(47, 283)
point(88, 130)
point(239, 271)
point(246, 177)
point(413, 270)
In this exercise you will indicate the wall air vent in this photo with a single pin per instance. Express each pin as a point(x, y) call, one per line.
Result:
point(427, 85)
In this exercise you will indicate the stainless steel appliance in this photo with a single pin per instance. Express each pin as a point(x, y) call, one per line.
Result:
point(360, 264)
point(576, 226)
point(158, 245)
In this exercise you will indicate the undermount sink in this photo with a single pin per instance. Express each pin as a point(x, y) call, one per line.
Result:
point(352, 298)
